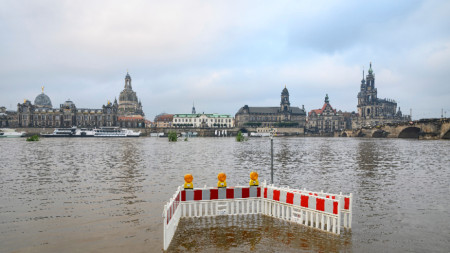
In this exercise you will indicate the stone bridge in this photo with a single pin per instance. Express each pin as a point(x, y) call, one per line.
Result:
point(428, 129)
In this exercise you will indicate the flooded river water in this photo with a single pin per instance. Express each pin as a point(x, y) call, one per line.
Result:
point(107, 195)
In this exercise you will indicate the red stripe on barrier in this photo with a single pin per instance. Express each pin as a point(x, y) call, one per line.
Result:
point(265, 193)
point(290, 198)
point(198, 195)
point(310, 194)
point(333, 197)
point(214, 194)
point(347, 203)
point(304, 201)
point(245, 192)
point(183, 195)
point(315, 194)
point(335, 207)
point(258, 192)
point(230, 193)
point(328, 196)
point(276, 195)
point(320, 205)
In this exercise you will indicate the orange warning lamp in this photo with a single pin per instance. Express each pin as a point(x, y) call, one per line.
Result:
point(188, 178)
point(222, 177)
point(254, 179)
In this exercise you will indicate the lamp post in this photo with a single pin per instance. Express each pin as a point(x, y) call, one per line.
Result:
point(271, 133)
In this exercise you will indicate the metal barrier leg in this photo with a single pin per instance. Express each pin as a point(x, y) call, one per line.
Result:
point(317, 220)
point(328, 224)
point(345, 219)
point(322, 222)
point(306, 218)
point(334, 225)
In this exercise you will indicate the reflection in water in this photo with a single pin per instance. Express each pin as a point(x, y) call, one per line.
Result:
point(107, 195)
point(253, 233)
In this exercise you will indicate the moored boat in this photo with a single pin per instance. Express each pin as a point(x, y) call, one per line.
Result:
point(62, 132)
point(115, 132)
point(10, 133)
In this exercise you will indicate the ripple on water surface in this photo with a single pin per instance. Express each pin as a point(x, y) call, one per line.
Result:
point(107, 195)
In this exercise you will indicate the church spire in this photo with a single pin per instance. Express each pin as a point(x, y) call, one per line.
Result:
point(128, 81)
point(370, 69)
point(193, 108)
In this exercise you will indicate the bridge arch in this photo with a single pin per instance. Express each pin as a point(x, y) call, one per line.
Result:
point(344, 134)
point(410, 132)
point(243, 130)
point(446, 135)
point(379, 134)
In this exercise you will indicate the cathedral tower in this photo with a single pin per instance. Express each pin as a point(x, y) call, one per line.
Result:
point(367, 97)
point(285, 106)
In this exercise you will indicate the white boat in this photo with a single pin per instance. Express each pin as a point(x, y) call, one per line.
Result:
point(115, 132)
point(10, 133)
point(259, 134)
point(62, 132)
point(84, 132)
point(156, 134)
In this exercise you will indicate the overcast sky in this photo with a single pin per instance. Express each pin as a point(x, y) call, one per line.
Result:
point(223, 55)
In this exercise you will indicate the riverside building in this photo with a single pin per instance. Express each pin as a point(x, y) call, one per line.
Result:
point(203, 120)
point(284, 115)
point(125, 113)
point(326, 119)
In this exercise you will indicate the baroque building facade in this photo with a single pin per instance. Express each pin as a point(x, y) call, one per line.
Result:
point(203, 120)
point(67, 115)
point(163, 120)
point(284, 115)
point(128, 101)
point(7, 118)
point(42, 114)
point(372, 110)
point(326, 119)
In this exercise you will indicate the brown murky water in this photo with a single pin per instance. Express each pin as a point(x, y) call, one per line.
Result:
point(107, 195)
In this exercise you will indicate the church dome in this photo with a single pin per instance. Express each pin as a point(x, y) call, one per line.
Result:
point(68, 103)
point(285, 91)
point(43, 101)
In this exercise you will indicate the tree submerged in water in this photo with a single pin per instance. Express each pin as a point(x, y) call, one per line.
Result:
point(173, 136)
point(239, 137)
point(33, 138)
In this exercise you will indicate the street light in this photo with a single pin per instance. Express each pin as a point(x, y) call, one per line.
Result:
point(271, 133)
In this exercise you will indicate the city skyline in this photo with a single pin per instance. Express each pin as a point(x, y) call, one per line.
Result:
point(224, 55)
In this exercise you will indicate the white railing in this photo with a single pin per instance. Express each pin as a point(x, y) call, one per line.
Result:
point(172, 215)
point(318, 210)
point(309, 210)
point(344, 200)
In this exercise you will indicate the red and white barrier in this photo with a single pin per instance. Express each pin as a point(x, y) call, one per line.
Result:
point(314, 209)
point(305, 209)
point(345, 202)
point(172, 215)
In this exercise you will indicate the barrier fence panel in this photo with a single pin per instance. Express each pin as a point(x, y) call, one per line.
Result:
point(310, 210)
point(345, 202)
point(318, 210)
point(171, 215)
